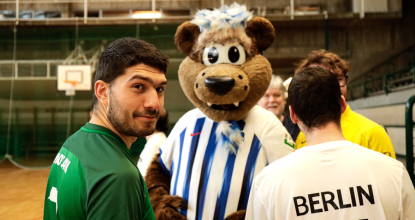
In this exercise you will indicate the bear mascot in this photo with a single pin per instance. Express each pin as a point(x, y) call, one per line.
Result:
point(207, 164)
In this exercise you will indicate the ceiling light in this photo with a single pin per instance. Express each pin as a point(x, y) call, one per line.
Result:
point(146, 14)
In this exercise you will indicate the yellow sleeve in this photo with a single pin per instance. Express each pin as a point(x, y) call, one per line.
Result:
point(378, 140)
point(301, 141)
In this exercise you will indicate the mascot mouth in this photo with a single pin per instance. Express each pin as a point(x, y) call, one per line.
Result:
point(224, 106)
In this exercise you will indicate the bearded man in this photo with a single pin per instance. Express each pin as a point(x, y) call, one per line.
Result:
point(93, 175)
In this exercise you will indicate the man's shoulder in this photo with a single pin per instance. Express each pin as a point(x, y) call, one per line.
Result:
point(284, 166)
point(81, 142)
point(97, 151)
point(375, 154)
point(75, 142)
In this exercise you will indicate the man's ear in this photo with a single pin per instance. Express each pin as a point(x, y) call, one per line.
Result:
point(262, 31)
point(344, 104)
point(186, 36)
point(101, 90)
point(293, 116)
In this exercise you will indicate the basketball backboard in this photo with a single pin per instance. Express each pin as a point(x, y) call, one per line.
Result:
point(74, 77)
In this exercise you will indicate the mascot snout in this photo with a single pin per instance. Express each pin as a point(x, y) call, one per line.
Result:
point(220, 85)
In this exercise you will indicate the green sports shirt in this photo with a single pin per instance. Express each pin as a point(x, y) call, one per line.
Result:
point(94, 177)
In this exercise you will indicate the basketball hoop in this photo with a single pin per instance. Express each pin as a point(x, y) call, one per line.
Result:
point(71, 90)
point(71, 78)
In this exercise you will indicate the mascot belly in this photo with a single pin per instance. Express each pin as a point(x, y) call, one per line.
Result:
point(207, 164)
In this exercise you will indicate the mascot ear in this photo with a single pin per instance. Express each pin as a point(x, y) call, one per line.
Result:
point(186, 36)
point(262, 31)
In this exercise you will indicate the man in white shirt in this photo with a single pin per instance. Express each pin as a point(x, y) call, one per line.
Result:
point(330, 178)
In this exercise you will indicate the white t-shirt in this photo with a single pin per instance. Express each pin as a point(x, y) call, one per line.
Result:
point(150, 150)
point(214, 181)
point(333, 180)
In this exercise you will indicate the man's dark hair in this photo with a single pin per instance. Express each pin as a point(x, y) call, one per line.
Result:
point(314, 95)
point(163, 123)
point(124, 53)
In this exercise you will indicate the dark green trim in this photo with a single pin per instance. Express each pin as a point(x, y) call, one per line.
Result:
point(394, 126)
point(397, 126)
point(291, 145)
point(409, 123)
point(401, 156)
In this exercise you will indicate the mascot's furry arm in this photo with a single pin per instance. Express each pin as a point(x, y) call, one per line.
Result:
point(164, 205)
point(158, 184)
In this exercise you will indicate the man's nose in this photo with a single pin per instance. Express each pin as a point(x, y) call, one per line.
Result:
point(152, 100)
point(272, 99)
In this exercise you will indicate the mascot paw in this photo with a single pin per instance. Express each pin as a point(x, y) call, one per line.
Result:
point(168, 208)
point(238, 215)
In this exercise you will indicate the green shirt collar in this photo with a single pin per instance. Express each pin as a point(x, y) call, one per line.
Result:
point(94, 128)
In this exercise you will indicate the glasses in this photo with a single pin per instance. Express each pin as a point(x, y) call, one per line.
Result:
point(342, 80)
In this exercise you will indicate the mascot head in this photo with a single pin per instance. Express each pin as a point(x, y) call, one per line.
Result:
point(224, 74)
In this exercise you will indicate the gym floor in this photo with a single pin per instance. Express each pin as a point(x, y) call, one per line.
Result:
point(22, 192)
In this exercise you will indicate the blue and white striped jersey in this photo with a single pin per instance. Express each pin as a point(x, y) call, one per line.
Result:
point(214, 181)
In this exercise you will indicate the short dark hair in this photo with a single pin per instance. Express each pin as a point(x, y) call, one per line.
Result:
point(124, 53)
point(314, 95)
point(163, 122)
point(323, 57)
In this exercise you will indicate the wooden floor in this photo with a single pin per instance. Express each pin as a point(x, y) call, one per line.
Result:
point(22, 192)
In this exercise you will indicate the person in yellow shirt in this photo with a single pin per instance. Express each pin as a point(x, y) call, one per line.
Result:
point(356, 128)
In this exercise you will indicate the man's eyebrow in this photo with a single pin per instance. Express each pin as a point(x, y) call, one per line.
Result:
point(147, 79)
point(141, 77)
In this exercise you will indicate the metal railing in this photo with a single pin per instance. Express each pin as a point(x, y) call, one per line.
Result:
point(395, 73)
point(47, 69)
point(29, 69)
point(409, 125)
point(383, 84)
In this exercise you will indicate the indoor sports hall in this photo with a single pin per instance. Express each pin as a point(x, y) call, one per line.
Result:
point(49, 50)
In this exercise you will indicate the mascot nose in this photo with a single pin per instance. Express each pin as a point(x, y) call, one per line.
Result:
point(220, 85)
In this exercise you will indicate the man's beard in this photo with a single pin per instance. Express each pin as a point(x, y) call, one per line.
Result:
point(125, 124)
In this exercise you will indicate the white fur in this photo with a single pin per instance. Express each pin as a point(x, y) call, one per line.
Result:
point(234, 135)
point(226, 17)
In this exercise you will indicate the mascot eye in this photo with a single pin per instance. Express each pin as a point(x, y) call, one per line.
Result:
point(213, 55)
point(233, 54)
point(236, 55)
